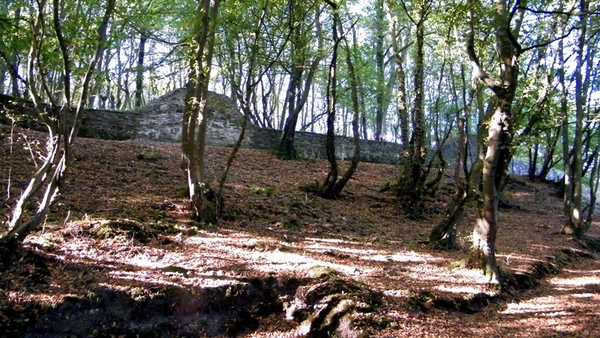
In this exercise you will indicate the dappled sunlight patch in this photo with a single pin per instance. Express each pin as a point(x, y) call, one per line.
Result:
point(575, 281)
point(289, 262)
point(145, 260)
point(516, 259)
point(137, 276)
point(329, 240)
point(523, 263)
point(397, 293)
point(585, 295)
point(460, 289)
point(268, 255)
point(411, 256)
point(427, 272)
point(550, 306)
point(45, 299)
point(520, 194)
point(323, 248)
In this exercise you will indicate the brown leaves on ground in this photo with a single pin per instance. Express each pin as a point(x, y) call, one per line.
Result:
point(122, 224)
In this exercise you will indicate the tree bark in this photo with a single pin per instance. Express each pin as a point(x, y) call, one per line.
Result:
point(62, 123)
point(332, 187)
point(498, 145)
point(195, 119)
point(298, 88)
point(411, 184)
point(139, 76)
point(574, 222)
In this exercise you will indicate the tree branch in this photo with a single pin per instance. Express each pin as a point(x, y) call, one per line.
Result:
point(509, 32)
point(12, 68)
point(544, 44)
point(567, 13)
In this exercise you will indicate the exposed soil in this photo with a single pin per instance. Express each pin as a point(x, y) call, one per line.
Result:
point(119, 256)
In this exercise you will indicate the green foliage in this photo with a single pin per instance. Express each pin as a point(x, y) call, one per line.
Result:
point(313, 188)
point(266, 191)
point(149, 156)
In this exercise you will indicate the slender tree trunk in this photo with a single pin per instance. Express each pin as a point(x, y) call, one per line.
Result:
point(299, 88)
point(594, 182)
point(533, 161)
point(549, 150)
point(139, 77)
point(399, 57)
point(444, 233)
point(195, 119)
point(332, 176)
point(575, 224)
point(379, 69)
point(62, 124)
point(411, 184)
point(332, 187)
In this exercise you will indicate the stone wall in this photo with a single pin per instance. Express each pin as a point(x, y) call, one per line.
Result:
point(161, 120)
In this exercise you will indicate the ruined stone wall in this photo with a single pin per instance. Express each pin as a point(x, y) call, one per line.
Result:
point(161, 120)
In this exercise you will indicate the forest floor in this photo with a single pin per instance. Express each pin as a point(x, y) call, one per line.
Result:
point(119, 257)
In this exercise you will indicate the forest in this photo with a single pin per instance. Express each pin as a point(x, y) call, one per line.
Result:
point(136, 238)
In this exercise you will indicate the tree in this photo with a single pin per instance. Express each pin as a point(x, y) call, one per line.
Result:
point(332, 187)
point(466, 178)
point(303, 66)
point(574, 217)
point(381, 91)
point(411, 183)
point(500, 126)
point(247, 52)
point(13, 45)
point(203, 201)
point(399, 57)
point(61, 120)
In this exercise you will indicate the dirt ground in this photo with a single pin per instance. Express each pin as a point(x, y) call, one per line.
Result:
point(119, 257)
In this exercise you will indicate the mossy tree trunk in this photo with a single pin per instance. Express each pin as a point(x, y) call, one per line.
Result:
point(411, 183)
point(498, 145)
point(195, 120)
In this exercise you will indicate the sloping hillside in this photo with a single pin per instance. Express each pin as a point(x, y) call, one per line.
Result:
point(119, 256)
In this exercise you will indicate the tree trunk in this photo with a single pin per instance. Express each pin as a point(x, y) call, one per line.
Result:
point(411, 184)
point(574, 223)
point(332, 187)
point(332, 176)
point(550, 148)
point(379, 70)
point(195, 120)
point(444, 233)
point(533, 161)
point(499, 141)
point(139, 75)
point(399, 57)
point(299, 88)
point(63, 123)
